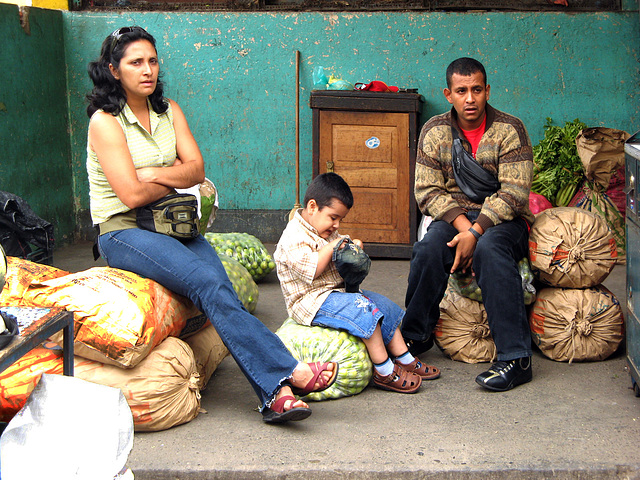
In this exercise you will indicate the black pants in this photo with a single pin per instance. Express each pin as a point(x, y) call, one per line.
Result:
point(495, 263)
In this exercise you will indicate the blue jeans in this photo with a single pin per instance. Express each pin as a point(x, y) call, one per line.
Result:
point(495, 264)
point(359, 314)
point(192, 269)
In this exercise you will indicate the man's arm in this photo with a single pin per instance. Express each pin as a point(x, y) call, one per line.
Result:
point(515, 173)
point(430, 187)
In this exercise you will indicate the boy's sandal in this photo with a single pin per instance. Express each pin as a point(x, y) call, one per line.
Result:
point(277, 414)
point(317, 368)
point(398, 381)
point(426, 372)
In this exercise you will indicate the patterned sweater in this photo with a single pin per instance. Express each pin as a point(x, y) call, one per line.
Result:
point(505, 150)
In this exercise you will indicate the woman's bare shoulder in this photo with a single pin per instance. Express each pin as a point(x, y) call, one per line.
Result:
point(102, 119)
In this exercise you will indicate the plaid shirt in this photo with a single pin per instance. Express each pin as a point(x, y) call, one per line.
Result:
point(296, 258)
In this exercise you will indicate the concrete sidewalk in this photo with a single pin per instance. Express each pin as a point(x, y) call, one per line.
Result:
point(574, 421)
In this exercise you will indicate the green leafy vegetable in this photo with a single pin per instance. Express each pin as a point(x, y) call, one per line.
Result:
point(558, 170)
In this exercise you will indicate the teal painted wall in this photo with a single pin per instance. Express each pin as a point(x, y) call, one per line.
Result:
point(34, 139)
point(234, 76)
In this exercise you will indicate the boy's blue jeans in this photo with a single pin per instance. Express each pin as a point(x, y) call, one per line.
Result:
point(359, 314)
point(495, 263)
point(192, 269)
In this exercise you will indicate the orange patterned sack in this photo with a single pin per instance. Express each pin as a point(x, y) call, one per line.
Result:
point(20, 274)
point(119, 316)
point(18, 381)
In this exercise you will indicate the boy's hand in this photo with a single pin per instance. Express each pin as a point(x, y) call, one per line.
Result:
point(358, 242)
point(324, 256)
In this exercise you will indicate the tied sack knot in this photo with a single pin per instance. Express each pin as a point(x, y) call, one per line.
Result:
point(194, 378)
point(581, 327)
point(576, 252)
point(480, 331)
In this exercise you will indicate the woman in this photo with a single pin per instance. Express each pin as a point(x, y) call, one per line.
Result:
point(139, 149)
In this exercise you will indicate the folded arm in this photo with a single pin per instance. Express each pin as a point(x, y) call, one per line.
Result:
point(189, 167)
point(136, 188)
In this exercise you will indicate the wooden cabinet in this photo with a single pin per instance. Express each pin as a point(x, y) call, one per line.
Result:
point(370, 138)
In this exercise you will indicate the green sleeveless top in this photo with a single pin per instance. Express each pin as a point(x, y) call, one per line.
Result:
point(155, 149)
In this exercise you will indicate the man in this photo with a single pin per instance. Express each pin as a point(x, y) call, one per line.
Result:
point(486, 236)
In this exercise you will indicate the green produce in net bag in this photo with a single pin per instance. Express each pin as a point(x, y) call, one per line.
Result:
point(465, 284)
point(246, 249)
point(242, 282)
point(208, 204)
point(319, 344)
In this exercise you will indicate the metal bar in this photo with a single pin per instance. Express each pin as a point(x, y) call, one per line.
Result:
point(53, 321)
point(67, 347)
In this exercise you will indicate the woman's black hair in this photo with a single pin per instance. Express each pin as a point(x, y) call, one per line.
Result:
point(327, 187)
point(107, 93)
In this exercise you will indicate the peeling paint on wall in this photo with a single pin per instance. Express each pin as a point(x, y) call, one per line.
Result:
point(233, 74)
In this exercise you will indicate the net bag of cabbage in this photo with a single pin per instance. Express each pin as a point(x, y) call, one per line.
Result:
point(577, 324)
point(244, 248)
point(242, 282)
point(314, 344)
point(462, 332)
point(570, 247)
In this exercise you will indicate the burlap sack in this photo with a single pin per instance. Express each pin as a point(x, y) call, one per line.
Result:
point(601, 204)
point(577, 324)
point(119, 316)
point(571, 247)
point(162, 390)
point(462, 332)
point(602, 153)
point(208, 351)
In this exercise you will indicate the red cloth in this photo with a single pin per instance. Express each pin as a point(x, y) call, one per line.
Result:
point(376, 86)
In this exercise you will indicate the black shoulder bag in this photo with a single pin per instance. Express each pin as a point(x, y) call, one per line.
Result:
point(474, 181)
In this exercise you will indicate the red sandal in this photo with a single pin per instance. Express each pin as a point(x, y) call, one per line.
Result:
point(277, 414)
point(317, 368)
point(398, 381)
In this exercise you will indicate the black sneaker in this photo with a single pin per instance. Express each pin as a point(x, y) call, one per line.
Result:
point(503, 376)
point(416, 347)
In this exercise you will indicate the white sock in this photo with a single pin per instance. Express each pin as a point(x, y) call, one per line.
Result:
point(406, 358)
point(384, 369)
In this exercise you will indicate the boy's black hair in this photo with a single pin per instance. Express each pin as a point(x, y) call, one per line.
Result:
point(327, 187)
point(465, 66)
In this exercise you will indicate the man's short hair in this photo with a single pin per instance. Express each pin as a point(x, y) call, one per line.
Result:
point(465, 66)
point(326, 187)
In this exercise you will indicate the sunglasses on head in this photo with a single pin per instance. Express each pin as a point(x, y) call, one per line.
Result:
point(117, 34)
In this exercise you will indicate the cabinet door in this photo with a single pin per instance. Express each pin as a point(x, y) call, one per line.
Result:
point(370, 150)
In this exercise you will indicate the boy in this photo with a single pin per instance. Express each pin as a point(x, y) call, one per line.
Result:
point(315, 293)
